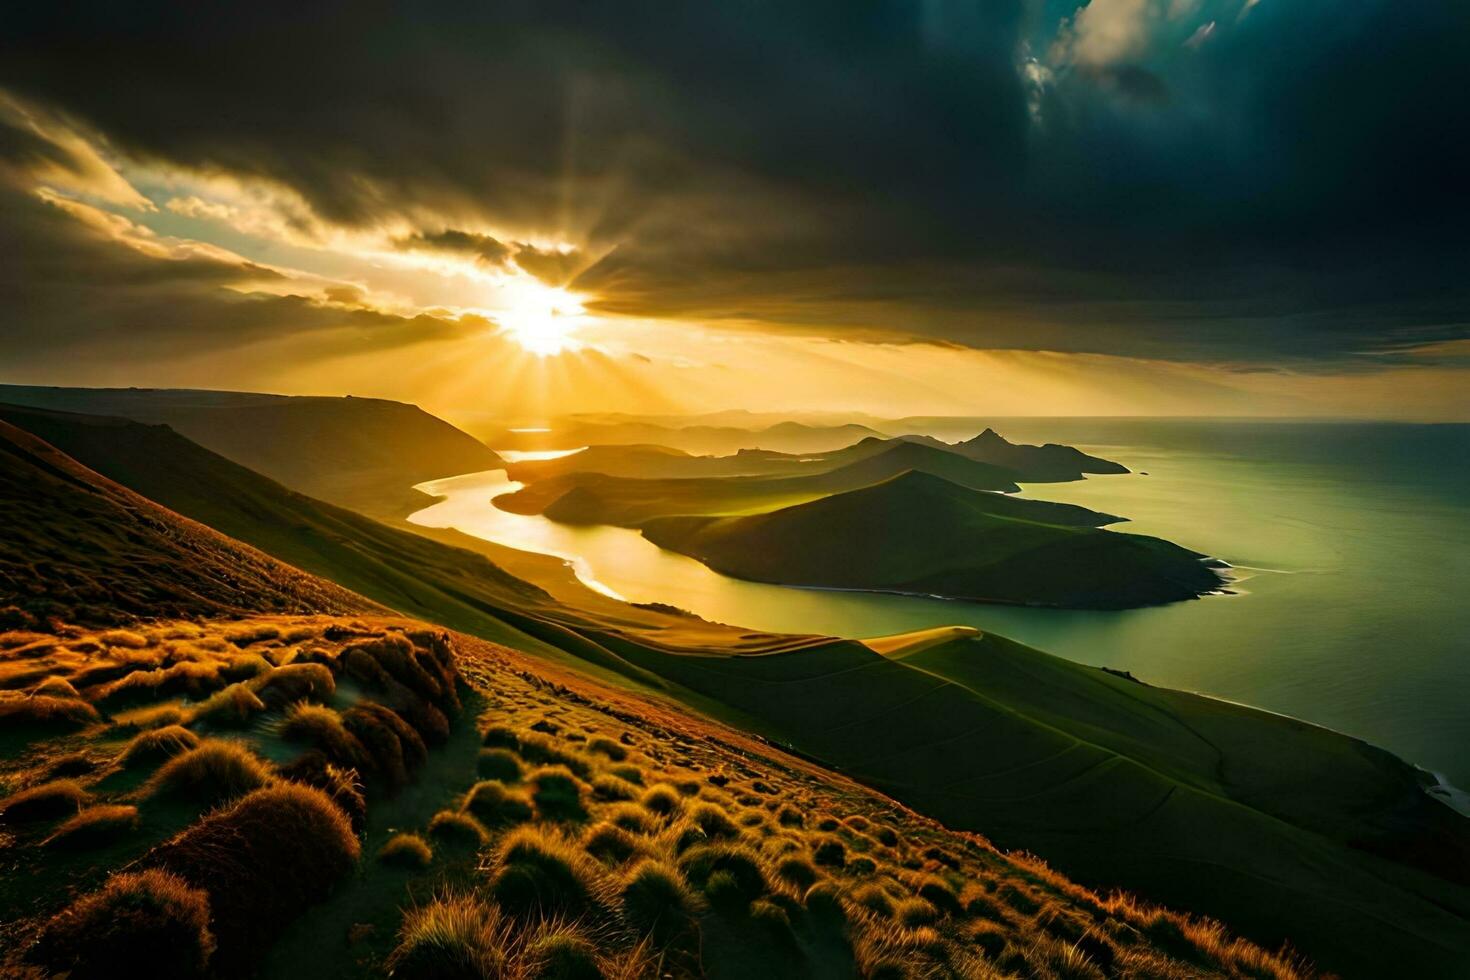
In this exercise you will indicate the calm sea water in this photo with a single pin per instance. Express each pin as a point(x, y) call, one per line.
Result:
point(1352, 543)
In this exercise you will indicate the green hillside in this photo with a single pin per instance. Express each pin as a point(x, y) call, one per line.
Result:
point(922, 534)
point(1051, 463)
point(1265, 821)
point(402, 570)
point(331, 448)
point(1285, 830)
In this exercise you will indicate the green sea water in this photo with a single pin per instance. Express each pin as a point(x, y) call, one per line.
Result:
point(1351, 544)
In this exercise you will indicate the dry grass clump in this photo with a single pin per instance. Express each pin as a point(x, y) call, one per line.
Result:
point(393, 746)
point(542, 750)
point(830, 852)
point(560, 951)
point(40, 711)
point(540, 873)
point(232, 705)
point(798, 872)
point(500, 737)
point(49, 800)
point(340, 783)
point(656, 901)
point(295, 682)
point(124, 638)
point(662, 799)
point(94, 827)
point(458, 937)
point(915, 912)
point(713, 821)
point(611, 843)
point(406, 851)
point(630, 817)
point(875, 899)
point(458, 829)
point(193, 678)
point(496, 805)
point(602, 745)
point(728, 872)
point(263, 861)
point(321, 727)
point(629, 774)
point(212, 771)
point(158, 743)
point(500, 764)
point(938, 893)
point(606, 787)
point(55, 686)
point(145, 924)
point(557, 794)
point(244, 666)
point(145, 718)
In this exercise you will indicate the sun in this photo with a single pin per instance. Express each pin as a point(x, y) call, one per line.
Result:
point(543, 319)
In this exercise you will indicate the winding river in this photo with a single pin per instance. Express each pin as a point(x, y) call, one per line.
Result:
point(1350, 543)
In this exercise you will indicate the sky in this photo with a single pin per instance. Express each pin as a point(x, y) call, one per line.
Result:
point(521, 209)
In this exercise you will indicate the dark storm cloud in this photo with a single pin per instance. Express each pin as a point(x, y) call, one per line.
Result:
point(1284, 185)
point(70, 292)
point(549, 265)
point(482, 248)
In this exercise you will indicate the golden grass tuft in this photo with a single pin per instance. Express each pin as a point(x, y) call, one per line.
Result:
point(662, 799)
point(656, 901)
point(406, 851)
point(500, 764)
point(55, 686)
point(604, 746)
point(557, 794)
point(458, 937)
point(321, 727)
point(610, 843)
point(458, 829)
point(144, 924)
point(263, 860)
point(21, 711)
point(540, 873)
point(158, 743)
point(44, 802)
point(232, 705)
point(213, 771)
point(96, 826)
point(562, 951)
point(496, 805)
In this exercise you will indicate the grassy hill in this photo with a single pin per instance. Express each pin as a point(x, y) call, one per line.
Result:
point(82, 548)
point(362, 795)
point(592, 498)
point(1285, 830)
point(331, 448)
point(1051, 463)
point(921, 534)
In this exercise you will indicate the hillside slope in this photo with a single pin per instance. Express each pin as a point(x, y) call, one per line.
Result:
point(1051, 463)
point(918, 533)
point(82, 548)
point(331, 448)
point(1032, 760)
point(361, 795)
point(1261, 820)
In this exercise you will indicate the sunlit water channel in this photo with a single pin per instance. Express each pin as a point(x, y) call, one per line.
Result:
point(1350, 539)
